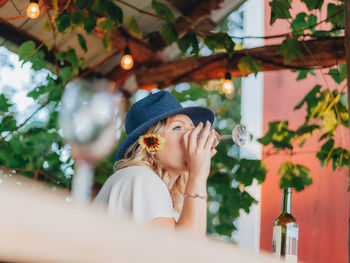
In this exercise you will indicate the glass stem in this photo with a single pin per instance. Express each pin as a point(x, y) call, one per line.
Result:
point(82, 182)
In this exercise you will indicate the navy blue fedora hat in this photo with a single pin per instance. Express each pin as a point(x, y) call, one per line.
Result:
point(154, 108)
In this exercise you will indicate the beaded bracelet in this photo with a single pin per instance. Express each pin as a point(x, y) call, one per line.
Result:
point(195, 195)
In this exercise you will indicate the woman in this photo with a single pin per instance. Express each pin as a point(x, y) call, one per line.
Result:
point(163, 164)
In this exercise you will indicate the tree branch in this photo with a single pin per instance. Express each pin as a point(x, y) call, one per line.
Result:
point(34, 171)
point(18, 127)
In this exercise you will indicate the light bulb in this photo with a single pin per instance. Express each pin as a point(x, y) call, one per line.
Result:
point(228, 87)
point(127, 61)
point(33, 10)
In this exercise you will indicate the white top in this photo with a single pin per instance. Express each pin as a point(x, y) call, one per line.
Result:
point(138, 191)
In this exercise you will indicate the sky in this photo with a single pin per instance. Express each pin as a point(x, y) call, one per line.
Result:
point(16, 80)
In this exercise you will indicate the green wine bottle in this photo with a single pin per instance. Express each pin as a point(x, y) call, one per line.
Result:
point(285, 231)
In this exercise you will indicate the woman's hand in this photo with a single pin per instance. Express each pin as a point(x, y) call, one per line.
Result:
point(199, 151)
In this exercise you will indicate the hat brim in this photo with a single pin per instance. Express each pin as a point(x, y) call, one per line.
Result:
point(196, 114)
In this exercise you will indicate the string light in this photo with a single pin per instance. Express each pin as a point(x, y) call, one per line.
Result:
point(228, 87)
point(127, 61)
point(33, 10)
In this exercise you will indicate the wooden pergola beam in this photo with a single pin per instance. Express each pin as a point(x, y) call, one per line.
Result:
point(18, 36)
point(324, 53)
point(141, 51)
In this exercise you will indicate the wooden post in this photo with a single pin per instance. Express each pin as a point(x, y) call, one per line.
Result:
point(347, 53)
point(347, 56)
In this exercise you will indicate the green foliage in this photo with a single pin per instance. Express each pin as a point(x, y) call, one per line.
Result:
point(313, 4)
point(303, 73)
point(82, 42)
point(340, 157)
point(279, 135)
point(338, 74)
point(63, 21)
point(279, 9)
point(107, 24)
point(163, 11)
point(249, 170)
point(290, 49)
point(4, 104)
point(249, 64)
point(27, 52)
point(220, 40)
point(189, 40)
point(134, 27)
point(295, 176)
point(303, 21)
point(8, 123)
point(335, 14)
point(169, 33)
point(106, 41)
point(321, 34)
point(82, 4)
point(78, 17)
point(90, 23)
point(114, 12)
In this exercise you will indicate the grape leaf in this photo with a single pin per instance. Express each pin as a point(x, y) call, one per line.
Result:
point(338, 74)
point(250, 169)
point(294, 176)
point(81, 4)
point(169, 33)
point(4, 103)
point(335, 14)
point(78, 17)
point(89, 22)
point(290, 49)
point(115, 12)
point(313, 4)
point(107, 24)
point(325, 153)
point(8, 123)
point(106, 41)
point(26, 50)
point(278, 134)
point(134, 27)
point(301, 22)
point(38, 61)
point(321, 34)
point(303, 73)
point(72, 58)
point(82, 42)
point(187, 41)
point(279, 9)
point(63, 21)
point(163, 11)
point(330, 122)
point(248, 65)
point(220, 40)
point(307, 129)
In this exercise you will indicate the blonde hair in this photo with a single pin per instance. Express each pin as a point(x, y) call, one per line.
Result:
point(135, 155)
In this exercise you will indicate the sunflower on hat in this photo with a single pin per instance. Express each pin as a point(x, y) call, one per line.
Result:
point(152, 142)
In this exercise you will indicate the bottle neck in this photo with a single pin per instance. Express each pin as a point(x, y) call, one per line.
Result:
point(287, 201)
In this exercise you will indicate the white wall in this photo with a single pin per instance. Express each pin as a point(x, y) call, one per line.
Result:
point(248, 233)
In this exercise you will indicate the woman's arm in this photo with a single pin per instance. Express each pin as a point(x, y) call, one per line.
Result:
point(194, 212)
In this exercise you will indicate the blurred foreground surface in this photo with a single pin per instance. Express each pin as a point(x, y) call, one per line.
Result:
point(38, 225)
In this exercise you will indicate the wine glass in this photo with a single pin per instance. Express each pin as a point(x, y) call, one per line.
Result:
point(238, 136)
point(88, 121)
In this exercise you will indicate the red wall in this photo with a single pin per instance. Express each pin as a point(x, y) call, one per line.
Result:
point(322, 210)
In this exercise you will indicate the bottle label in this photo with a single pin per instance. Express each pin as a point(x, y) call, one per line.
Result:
point(291, 243)
point(276, 240)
